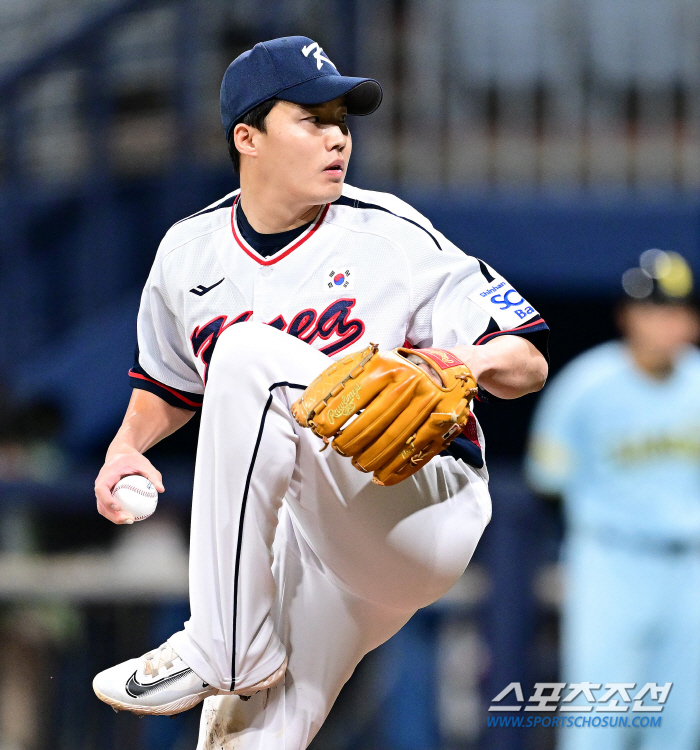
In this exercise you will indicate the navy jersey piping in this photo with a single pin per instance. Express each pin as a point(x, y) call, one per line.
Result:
point(354, 203)
point(223, 203)
point(174, 396)
point(485, 271)
point(537, 329)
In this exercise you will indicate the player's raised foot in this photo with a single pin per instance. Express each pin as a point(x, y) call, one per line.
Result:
point(269, 682)
point(157, 683)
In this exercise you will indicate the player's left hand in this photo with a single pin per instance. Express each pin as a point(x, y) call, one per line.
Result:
point(403, 414)
point(428, 369)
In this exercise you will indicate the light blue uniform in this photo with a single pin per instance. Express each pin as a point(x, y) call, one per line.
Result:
point(623, 450)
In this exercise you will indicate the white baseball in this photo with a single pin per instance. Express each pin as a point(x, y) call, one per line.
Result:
point(136, 495)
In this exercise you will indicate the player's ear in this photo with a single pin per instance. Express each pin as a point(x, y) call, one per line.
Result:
point(244, 137)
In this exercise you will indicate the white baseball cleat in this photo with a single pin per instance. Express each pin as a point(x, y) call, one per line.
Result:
point(158, 683)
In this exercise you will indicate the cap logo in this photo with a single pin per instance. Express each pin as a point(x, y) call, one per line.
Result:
point(318, 54)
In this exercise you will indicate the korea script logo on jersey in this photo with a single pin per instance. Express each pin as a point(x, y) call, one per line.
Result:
point(307, 325)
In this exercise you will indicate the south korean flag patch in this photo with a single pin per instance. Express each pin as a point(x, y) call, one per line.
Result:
point(339, 279)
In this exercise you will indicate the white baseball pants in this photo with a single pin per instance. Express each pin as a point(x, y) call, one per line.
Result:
point(295, 552)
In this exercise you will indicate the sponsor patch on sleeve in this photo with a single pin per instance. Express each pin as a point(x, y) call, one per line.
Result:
point(503, 303)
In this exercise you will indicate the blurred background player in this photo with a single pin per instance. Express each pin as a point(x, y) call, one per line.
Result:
point(617, 436)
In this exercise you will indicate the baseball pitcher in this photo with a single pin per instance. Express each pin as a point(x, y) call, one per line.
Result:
point(334, 342)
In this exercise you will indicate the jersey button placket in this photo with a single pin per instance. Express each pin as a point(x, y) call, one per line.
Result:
point(264, 294)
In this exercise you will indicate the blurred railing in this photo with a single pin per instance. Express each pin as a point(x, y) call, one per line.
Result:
point(533, 93)
point(504, 93)
point(146, 74)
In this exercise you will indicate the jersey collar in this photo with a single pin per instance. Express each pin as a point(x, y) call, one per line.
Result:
point(285, 251)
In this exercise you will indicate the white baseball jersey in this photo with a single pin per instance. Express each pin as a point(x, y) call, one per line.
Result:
point(369, 268)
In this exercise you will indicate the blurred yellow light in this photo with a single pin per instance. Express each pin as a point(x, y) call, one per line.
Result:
point(674, 275)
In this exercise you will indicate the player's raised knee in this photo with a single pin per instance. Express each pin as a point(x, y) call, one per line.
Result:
point(249, 339)
point(248, 346)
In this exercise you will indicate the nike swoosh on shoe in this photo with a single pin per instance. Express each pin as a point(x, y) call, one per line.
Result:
point(136, 690)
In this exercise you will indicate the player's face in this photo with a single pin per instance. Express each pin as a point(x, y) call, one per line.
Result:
point(662, 330)
point(306, 149)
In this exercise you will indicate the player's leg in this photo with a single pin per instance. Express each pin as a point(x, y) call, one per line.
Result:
point(604, 626)
point(675, 650)
point(358, 561)
point(326, 630)
point(402, 546)
point(246, 458)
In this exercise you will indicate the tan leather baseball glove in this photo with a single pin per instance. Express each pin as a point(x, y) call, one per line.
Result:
point(385, 411)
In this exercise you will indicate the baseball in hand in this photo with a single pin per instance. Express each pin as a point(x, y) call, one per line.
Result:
point(136, 495)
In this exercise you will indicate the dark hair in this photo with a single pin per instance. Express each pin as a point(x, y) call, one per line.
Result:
point(254, 118)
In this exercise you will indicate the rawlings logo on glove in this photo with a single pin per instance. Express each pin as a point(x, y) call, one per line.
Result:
point(386, 412)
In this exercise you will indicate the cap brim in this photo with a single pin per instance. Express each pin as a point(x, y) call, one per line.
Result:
point(363, 95)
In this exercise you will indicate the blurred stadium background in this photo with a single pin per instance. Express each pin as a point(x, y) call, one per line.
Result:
point(555, 139)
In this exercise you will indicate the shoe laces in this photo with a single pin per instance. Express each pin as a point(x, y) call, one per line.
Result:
point(161, 657)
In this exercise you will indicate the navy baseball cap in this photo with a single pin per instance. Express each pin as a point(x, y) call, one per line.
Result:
point(295, 69)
